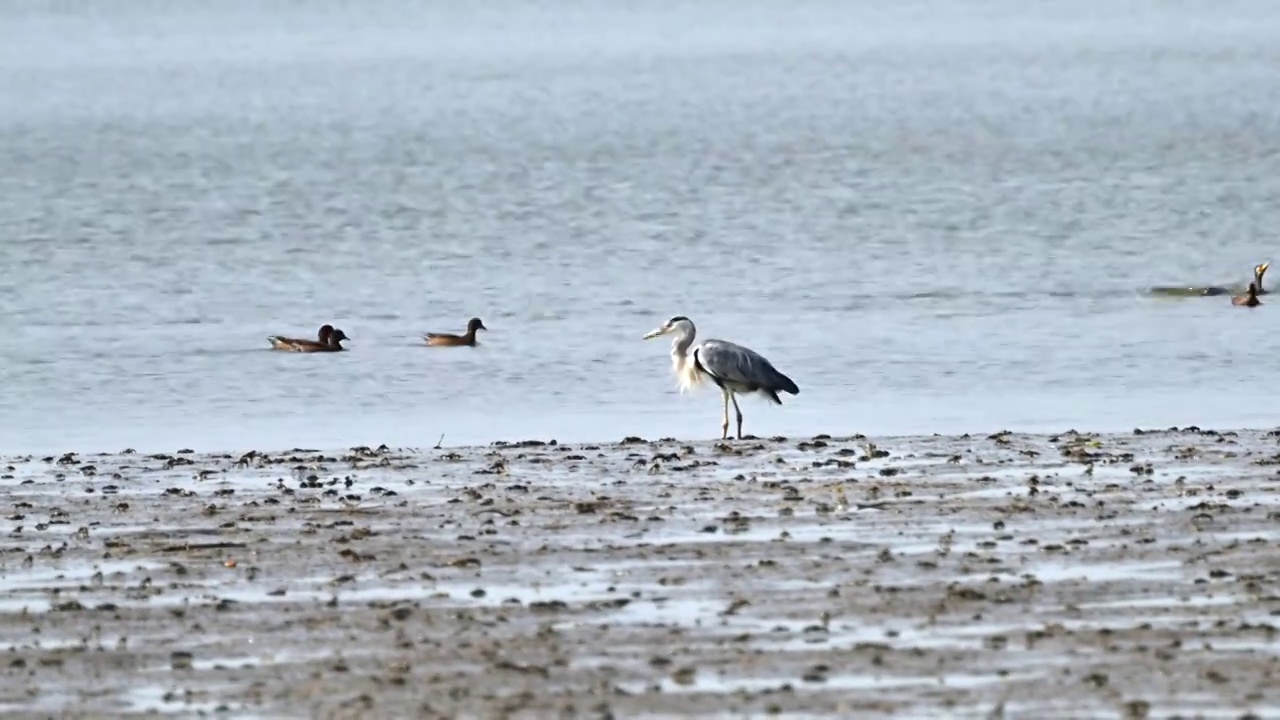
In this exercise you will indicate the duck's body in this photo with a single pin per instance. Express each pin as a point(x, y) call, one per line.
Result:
point(467, 339)
point(1249, 299)
point(329, 340)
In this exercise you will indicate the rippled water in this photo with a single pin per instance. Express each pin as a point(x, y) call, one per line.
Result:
point(934, 216)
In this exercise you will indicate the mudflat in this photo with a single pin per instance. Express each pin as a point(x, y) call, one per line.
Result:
point(1076, 575)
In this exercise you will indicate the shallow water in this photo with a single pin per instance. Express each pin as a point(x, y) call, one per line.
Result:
point(933, 216)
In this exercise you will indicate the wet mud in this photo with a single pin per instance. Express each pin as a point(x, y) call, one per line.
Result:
point(1133, 575)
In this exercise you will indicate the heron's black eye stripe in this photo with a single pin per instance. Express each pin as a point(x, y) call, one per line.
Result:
point(677, 319)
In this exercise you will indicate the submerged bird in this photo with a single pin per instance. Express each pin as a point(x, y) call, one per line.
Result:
point(1258, 271)
point(733, 368)
point(1215, 290)
point(330, 340)
point(468, 339)
point(1249, 299)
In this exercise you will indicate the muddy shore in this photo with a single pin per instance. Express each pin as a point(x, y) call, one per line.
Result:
point(1124, 575)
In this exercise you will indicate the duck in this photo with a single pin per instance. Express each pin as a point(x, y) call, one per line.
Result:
point(467, 339)
point(1249, 299)
point(330, 340)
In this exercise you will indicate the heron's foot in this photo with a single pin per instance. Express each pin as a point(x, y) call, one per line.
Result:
point(724, 431)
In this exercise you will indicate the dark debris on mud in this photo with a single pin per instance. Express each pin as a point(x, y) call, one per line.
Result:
point(1124, 575)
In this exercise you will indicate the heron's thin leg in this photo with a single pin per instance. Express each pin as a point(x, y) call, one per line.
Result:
point(724, 427)
point(737, 410)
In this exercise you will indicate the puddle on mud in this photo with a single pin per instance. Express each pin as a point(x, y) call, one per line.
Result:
point(1185, 602)
point(67, 573)
point(1051, 572)
point(713, 684)
point(173, 700)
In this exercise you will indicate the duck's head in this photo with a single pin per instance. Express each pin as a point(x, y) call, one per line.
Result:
point(336, 335)
point(475, 324)
point(326, 331)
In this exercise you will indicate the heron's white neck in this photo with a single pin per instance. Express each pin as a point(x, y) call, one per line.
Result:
point(686, 374)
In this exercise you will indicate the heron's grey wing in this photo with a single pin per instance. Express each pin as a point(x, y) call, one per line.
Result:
point(742, 366)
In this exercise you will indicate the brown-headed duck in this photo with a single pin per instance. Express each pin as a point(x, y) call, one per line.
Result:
point(468, 339)
point(1249, 299)
point(330, 340)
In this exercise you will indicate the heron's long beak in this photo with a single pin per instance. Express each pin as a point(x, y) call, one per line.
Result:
point(655, 333)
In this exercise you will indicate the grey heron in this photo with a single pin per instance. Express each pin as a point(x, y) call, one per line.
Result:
point(733, 368)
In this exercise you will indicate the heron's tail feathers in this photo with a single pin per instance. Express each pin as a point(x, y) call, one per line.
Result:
point(772, 393)
point(784, 384)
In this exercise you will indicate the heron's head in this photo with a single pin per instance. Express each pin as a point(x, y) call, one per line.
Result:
point(475, 324)
point(678, 322)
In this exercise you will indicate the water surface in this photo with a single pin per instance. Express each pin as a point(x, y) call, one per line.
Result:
point(933, 216)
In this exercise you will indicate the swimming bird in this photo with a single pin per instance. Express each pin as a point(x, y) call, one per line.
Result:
point(1258, 272)
point(330, 340)
point(1249, 299)
point(1215, 290)
point(468, 339)
point(733, 368)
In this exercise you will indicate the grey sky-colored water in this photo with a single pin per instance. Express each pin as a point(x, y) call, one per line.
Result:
point(933, 216)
